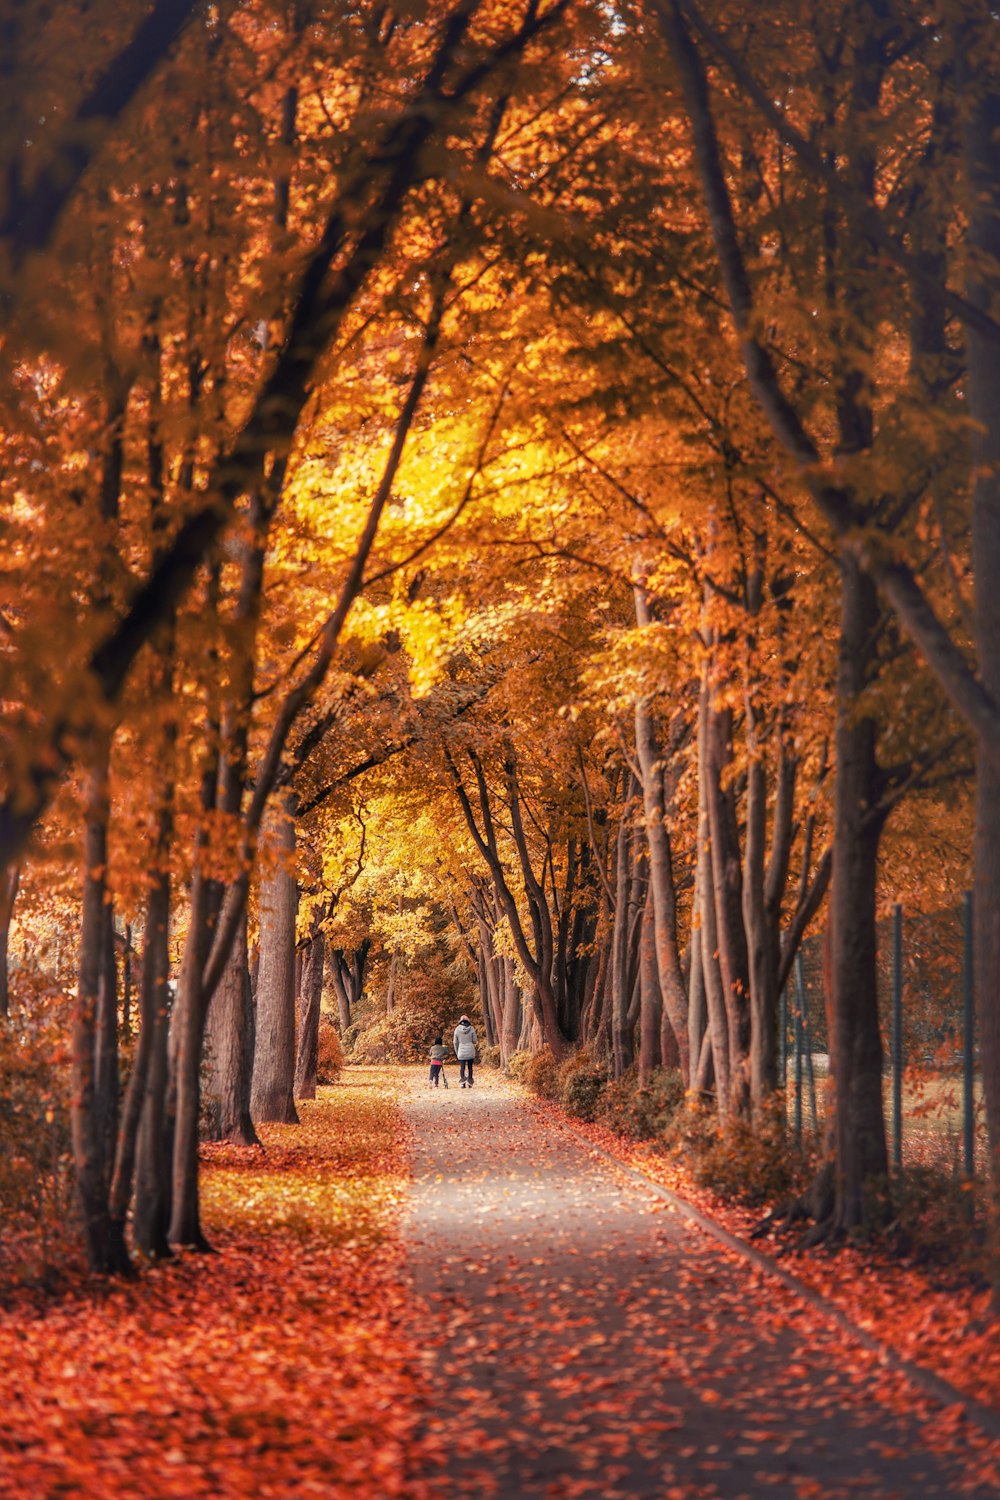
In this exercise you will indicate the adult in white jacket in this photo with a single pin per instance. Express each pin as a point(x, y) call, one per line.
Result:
point(465, 1050)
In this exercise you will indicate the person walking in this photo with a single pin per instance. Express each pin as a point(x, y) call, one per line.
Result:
point(437, 1062)
point(465, 1050)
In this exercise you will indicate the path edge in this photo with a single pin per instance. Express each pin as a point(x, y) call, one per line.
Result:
point(977, 1412)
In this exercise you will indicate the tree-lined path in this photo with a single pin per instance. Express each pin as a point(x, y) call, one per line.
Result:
point(583, 1340)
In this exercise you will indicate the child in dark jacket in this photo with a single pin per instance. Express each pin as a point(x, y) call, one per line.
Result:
point(437, 1062)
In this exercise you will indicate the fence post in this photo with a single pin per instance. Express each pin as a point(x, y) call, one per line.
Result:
point(800, 980)
point(968, 1043)
point(799, 997)
point(897, 1037)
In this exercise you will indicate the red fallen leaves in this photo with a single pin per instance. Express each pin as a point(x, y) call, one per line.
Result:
point(280, 1367)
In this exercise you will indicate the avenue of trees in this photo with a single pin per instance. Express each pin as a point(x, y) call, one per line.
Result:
point(526, 466)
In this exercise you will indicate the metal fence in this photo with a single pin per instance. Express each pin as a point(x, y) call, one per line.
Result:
point(933, 1092)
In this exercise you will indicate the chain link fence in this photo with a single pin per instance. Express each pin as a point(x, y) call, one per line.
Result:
point(932, 1091)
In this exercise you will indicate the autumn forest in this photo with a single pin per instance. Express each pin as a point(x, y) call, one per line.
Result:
point(499, 515)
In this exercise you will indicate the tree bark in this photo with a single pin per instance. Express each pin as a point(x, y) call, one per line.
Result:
point(856, 1048)
point(310, 995)
point(670, 980)
point(621, 971)
point(982, 131)
point(727, 890)
point(272, 1096)
point(229, 1047)
point(184, 1089)
point(146, 1101)
point(90, 1107)
point(760, 949)
point(704, 918)
point(651, 1005)
point(9, 882)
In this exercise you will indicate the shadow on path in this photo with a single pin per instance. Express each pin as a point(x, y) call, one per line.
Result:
point(584, 1340)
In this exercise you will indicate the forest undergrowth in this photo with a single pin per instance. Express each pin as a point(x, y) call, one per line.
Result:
point(928, 1312)
point(282, 1365)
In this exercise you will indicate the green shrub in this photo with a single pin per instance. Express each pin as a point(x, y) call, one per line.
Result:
point(517, 1065)
point(643, 1113)
point(541, 1074)
point(330, 1060)
point(581, 1083)
point(489, 1057)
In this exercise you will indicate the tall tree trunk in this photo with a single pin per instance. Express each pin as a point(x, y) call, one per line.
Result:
point(704, 919)
point(9, 882)
point(651, 1007)
point(697, 1003)
point(856, 1050)
point(229, 1047)
point(982, 132)
point(141, 1154)
point(661, 872)
point(146, 1102)
point(511, 1010)
point(106, 1076)
point(727, 889)
point(89, 1106)
point(310, 995)
point(272, 1096)
point(187, 1044)
point(151, 1214)
point(340, 974)
point(620, 977)
point(760, 950)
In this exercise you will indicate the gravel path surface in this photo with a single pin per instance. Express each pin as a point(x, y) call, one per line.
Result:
point(584, 1340)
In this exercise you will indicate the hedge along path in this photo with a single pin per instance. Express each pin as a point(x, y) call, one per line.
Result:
point(281, 1366)
point(584, 1340)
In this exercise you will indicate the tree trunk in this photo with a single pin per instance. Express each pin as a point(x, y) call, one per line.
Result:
point(127, 985)
point(152, 1030)
point(760, 950)
point(89, 1106)
point(9, 882)
point(106, 1077)
point(151, 1214)
point(704, 921)
point(511, 1010)
point(390, 991)
point(661, 872)
point(272, 1096)
point(983, 191)
point(310, 995)
point(856, 1045)
point(187, 1043)
point(727, 890)
point(621, 1050)
point(229, 1048)
point(651, 1005)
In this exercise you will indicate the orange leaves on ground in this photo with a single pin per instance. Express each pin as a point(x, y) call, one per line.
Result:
point(278, 1367)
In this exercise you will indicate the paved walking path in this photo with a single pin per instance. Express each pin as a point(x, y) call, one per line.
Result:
point(583, 1340)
